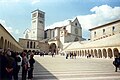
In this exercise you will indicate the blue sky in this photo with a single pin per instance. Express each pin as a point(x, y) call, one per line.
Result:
point(15, 15)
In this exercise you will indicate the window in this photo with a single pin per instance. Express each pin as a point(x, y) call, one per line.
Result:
point(34, 44)
point(28, 44)
point(40, 21)
point(113, 28)
point(31, 44)
point(76, 31)
point(103, 31)
point(34, 15)
point(95, 34)
point(40, 15)
point(34, 21)
point(75, 24)
point(53, 34)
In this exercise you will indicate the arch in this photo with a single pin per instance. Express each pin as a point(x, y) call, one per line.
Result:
point(116, 51)
point(82, 52)
point(34, 44)
point(76, 39)
point(52, 48)
point(88, 51)
point(110, 53)
point(99, 53)
point(92, 53)
point(31, 44)
point(95, 52)
point(85, 52)
point(5, 45)
point(1, 42)
point(104, 53)
point(27, 44)
point(8, 45)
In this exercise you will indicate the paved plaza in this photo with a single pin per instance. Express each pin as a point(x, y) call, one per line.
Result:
point(59, 68)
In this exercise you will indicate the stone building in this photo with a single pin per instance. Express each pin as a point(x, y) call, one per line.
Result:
point(8, 41)
point(55, 37)
point(104, 42)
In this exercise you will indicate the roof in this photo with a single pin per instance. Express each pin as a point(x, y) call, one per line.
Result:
point(38, 11)
point(104, 25)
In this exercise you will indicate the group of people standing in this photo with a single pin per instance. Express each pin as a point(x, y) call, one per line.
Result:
point(11, 62)
point(72, 55)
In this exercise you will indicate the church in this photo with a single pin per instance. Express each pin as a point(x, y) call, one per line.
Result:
point(37, 38)
point(104, 39)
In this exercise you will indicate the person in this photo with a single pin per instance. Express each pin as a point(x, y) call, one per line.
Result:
point(2, 65)
point(75, 55)
point(10, 65)
point(18, 61)
point(31, 66)
point(66, 55)
point(116, 62)
point(24, 65)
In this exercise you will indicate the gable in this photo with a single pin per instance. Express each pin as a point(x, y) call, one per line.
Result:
point(76, 23)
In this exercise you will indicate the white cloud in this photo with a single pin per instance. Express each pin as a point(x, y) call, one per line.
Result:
point(100, 15)
point(35, 1)
point(17, 1)
point(9, 29)
point(9, 1)
point(58, 24)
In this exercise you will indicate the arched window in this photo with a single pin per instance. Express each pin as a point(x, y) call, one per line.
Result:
point(113, 28)
point(34, 44)
point(28, 44)
point(103, 31)
point(31, 44)
point(95, 34)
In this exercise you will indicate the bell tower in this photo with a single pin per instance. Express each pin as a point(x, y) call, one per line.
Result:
point(38, 24)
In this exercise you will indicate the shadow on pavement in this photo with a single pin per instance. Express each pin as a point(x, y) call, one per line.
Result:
point(40, 73)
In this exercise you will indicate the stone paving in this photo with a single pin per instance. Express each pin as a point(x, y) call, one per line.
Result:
point(59, 68)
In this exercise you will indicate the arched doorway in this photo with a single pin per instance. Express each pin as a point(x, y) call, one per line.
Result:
point(105, 53)
point(85, 52)
point(110, 53)
point(27, 44)
point(99, 53)
point(5, 45)
point(116, 51)
point(8, 45)
point(52, 48)
point(76, 39)
point(1, 42)
point(82, 52)
point(92, 53)
point(95, 52)
point(31, 44)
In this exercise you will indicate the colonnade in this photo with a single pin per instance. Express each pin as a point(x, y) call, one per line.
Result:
point(7, 40)
point(97, 52)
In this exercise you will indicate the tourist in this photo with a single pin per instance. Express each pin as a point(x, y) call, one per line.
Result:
point(31, 66)
point(24, 65)
point(2, 65)
point(10, 65)
point(18, 61)
point(116, 62)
